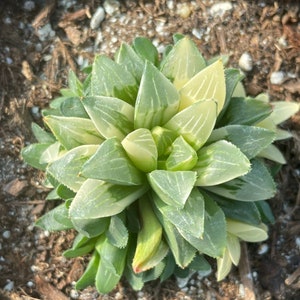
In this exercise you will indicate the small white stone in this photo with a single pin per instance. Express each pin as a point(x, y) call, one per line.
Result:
point(97, 18)
point(29, 5)
point(198, 33)
point(9, 286)
point(298, 241)
point(6, 234)
point(183, 10)
point(111, 6)
point(242, 291)
point(170, 4)
point(30, 284)
point(219, 9)
point(74, 294)
point(9, 61)
point(282, 41)
point(245, 62)
point(277, 77)
point(263, 249)
point(118, 296)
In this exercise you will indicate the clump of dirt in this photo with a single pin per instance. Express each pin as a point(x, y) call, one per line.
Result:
point(40, 40)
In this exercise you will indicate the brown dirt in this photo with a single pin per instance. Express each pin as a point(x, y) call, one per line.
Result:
point(31, 74)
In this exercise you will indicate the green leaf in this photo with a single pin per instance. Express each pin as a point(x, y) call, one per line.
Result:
point(111, 266)
point(32, 153)
point(251, 140)
point(80, 251)
point(265, 211)
point(183, 62)
point(173, 188)
point(224, 265)
point(64, 192)
point(164, 139)
point(67, 168)
point(111, 116)
point(232, 80)
point(72, 107)
point(111, 163)
point(246, 212)
point(234, 248)
point(72, 132)
point(182, 157)
point(98, 199)
point(131, 61)
point(220, 162)
point(190, 218)
point(272, 153)
point(207, 84)
point(56, 219)
point(74, 83)
point(117, 233)
point(141, 149)
point(89, 275)
point(200, 265)
point(112, 80)
point(91, 227)
point(213, 241)
point(145, 49)
point(42, 135)
point(149, 237)
point(247, 232)
point(195, 123)
point(283, 110)
point(257, 185)
point(157, 100)
point(51, 153)
point(182, 251)
point(245, 111)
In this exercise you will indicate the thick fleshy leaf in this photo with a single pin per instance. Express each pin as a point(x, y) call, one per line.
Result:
point(234, 248)
point(91, 227)
point(41, 135)
point(182, 157)
point(112, 80)
point(111, 163)
point(117, 232)
point(200, 265)
point(111, 116)
point(141, 149)
point(164, 139)
point(32, 153)
point(183, 62)
point(157, 100)
point(74, 83)
point(258, 184)
point(145, 49)
point(195, 123)
point(51, 153)
point(272, 153)
point(213, 241)
point(283, 110)
point(98, 199)
point(173, 188)
point(224, 265)
point(251, 140)
point(72, 132)
point(247, 232)
point(67, 168)
point(56, 219)
point(245, 111)
point(72, 107)
point(207, 84)
point(81, 250)
point(190, 218)
point(246, 212)
point(220, 162)
point(111, 266)
point(132, 62)
point(89, 275)
point(149, 237)
point(182, 251)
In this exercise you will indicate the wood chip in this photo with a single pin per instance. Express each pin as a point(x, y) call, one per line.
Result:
point(48, 291)
point(15, 187)
point(43, 16)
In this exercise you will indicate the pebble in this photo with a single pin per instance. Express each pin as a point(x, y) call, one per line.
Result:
point(277, 77)
point(9, 61)
point(97, 18)
point(246, 62)
point(198, 33)
point(263, 249)
point(111, 6)
point(29, 5)
point(6, 234)
point(298, 241)
point(30, 284)
point(45, 32)
point(9, 286)
point(219, 9)
point(183, 10)
point(74, 294)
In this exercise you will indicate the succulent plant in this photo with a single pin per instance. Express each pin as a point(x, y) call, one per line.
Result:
point(160, 162)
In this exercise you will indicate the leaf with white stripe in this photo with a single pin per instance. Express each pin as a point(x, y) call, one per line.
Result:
point(157, 100)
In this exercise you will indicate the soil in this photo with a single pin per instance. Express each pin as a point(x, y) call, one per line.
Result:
point(34, 66)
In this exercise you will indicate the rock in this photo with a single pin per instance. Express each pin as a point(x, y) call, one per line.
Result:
point(277, 77)
point(97, 18)
point(245, 62)
point(111, 6)
point(219, 9)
